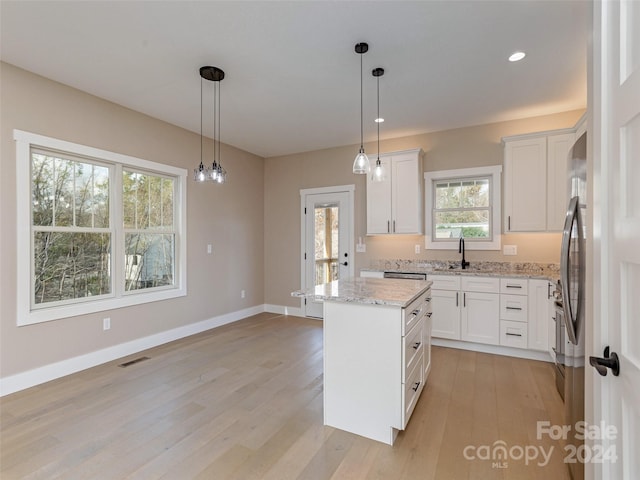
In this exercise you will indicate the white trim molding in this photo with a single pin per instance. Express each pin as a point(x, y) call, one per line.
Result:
point(46, 373)
point(493, 171)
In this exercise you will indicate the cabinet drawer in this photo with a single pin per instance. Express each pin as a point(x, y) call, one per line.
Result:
point(415, 311)
point(445, 282)
point(481, 284)
point(412, 348)
point(513, 307)
point(411, 391)
point(514, 286)
point(513, 334)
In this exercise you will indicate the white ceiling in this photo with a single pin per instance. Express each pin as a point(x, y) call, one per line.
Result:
point(292, 76)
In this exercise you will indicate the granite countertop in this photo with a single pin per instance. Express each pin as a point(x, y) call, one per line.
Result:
point(544, 271)
point(369, 291)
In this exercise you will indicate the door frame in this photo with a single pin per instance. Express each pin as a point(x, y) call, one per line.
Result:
point(304, 193)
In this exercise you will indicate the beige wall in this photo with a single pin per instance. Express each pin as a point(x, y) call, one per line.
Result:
point(459, 148)
point(229, 216)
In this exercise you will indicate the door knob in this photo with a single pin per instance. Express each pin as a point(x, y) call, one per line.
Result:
point(345, 264)
point(609, 361)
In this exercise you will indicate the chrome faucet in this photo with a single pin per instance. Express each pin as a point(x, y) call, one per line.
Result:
point(464, 263)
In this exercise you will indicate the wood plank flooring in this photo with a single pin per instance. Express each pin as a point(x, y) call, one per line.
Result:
point(244, 401)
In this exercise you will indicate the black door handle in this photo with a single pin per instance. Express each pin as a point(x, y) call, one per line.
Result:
point(345, 264)
point(609, 361)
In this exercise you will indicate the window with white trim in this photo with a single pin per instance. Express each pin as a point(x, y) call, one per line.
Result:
point(463, 203)
point(96, 230)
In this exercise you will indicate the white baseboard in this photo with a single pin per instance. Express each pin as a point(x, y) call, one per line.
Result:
point(495, 349)
point(282, 310)
point(37, 376)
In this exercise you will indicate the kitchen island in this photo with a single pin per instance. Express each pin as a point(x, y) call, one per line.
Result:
point(377, 352)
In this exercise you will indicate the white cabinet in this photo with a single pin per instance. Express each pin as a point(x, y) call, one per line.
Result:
point(376, 361)
point(535, 180)
point(466, 308)
point(514, 312)
point(540, 315)
point(558, 147)
point(394, 206)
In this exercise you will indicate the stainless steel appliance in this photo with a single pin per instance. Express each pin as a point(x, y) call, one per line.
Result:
point(406, 276)
point(561, 340)
point(572, 273)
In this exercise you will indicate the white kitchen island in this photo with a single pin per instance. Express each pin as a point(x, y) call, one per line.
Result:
point(377, 352)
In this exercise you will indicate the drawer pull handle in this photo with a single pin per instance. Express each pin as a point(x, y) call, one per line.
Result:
point(415, 389)
point(428, 299)
point(416, 311)
point(416, 345)
point(429, 314)
point(509, 285)
point(514, 334)
point(514, 308)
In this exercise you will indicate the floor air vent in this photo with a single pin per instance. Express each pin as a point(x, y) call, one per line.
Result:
point(133, 362)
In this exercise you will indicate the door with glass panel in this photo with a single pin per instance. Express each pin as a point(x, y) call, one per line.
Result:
point(327, 245)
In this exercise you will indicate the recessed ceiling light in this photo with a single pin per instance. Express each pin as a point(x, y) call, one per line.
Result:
point(517, 56)
point(379, 120)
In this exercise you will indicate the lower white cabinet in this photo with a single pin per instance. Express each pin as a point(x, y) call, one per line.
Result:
point(480, 317)
point(540, 314)
point(376, 361)
point(466, 308)
point(446, 314)
point(510, 312)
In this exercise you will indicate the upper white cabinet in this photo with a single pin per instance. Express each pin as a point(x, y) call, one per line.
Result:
point(394, 206)
point(535, 180)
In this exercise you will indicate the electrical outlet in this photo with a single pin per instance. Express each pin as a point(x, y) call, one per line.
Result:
point(242, 294)
point(361, 247)
point(509, 249)
point(209, 249)
point(106, 323)
point(417, 249)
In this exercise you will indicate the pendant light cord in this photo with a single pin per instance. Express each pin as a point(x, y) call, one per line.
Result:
point(200, 121)
point(378, 120)
point(361, 115)
point(219, 108)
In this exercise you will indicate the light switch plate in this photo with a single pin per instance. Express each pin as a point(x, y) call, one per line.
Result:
point(509, 249)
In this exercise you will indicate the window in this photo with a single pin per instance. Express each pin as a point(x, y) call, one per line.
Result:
point(463, 203)
point(105, 230)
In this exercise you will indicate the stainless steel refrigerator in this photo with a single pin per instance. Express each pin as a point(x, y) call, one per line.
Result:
point(572, 273)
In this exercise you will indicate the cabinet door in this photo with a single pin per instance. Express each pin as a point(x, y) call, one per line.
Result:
point(540, 312)
point(406, 198)
point(379, 202)
point(445, 319)
point(480, 321)
point(558, 147)
point(525, 185)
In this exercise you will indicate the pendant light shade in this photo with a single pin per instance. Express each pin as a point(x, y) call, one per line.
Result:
point(361, 164)
point(215, 173)
point(378, 172)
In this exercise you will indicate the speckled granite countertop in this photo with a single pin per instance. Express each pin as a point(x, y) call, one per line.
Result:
point(370, 291)
point(545, 271)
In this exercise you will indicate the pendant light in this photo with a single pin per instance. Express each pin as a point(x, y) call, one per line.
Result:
point(378, 172)
point(214, 173)
point(361, 164)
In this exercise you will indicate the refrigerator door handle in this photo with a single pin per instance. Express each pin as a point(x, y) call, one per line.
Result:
point(570, 316)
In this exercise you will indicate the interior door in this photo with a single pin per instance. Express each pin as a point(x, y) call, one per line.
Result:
point(328, 246)
point(616, 155)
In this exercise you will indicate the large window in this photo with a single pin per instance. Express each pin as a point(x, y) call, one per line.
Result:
point(96, 230)
point(463, 203)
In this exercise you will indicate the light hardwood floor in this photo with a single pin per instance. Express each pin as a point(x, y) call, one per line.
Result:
point(244, 401)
